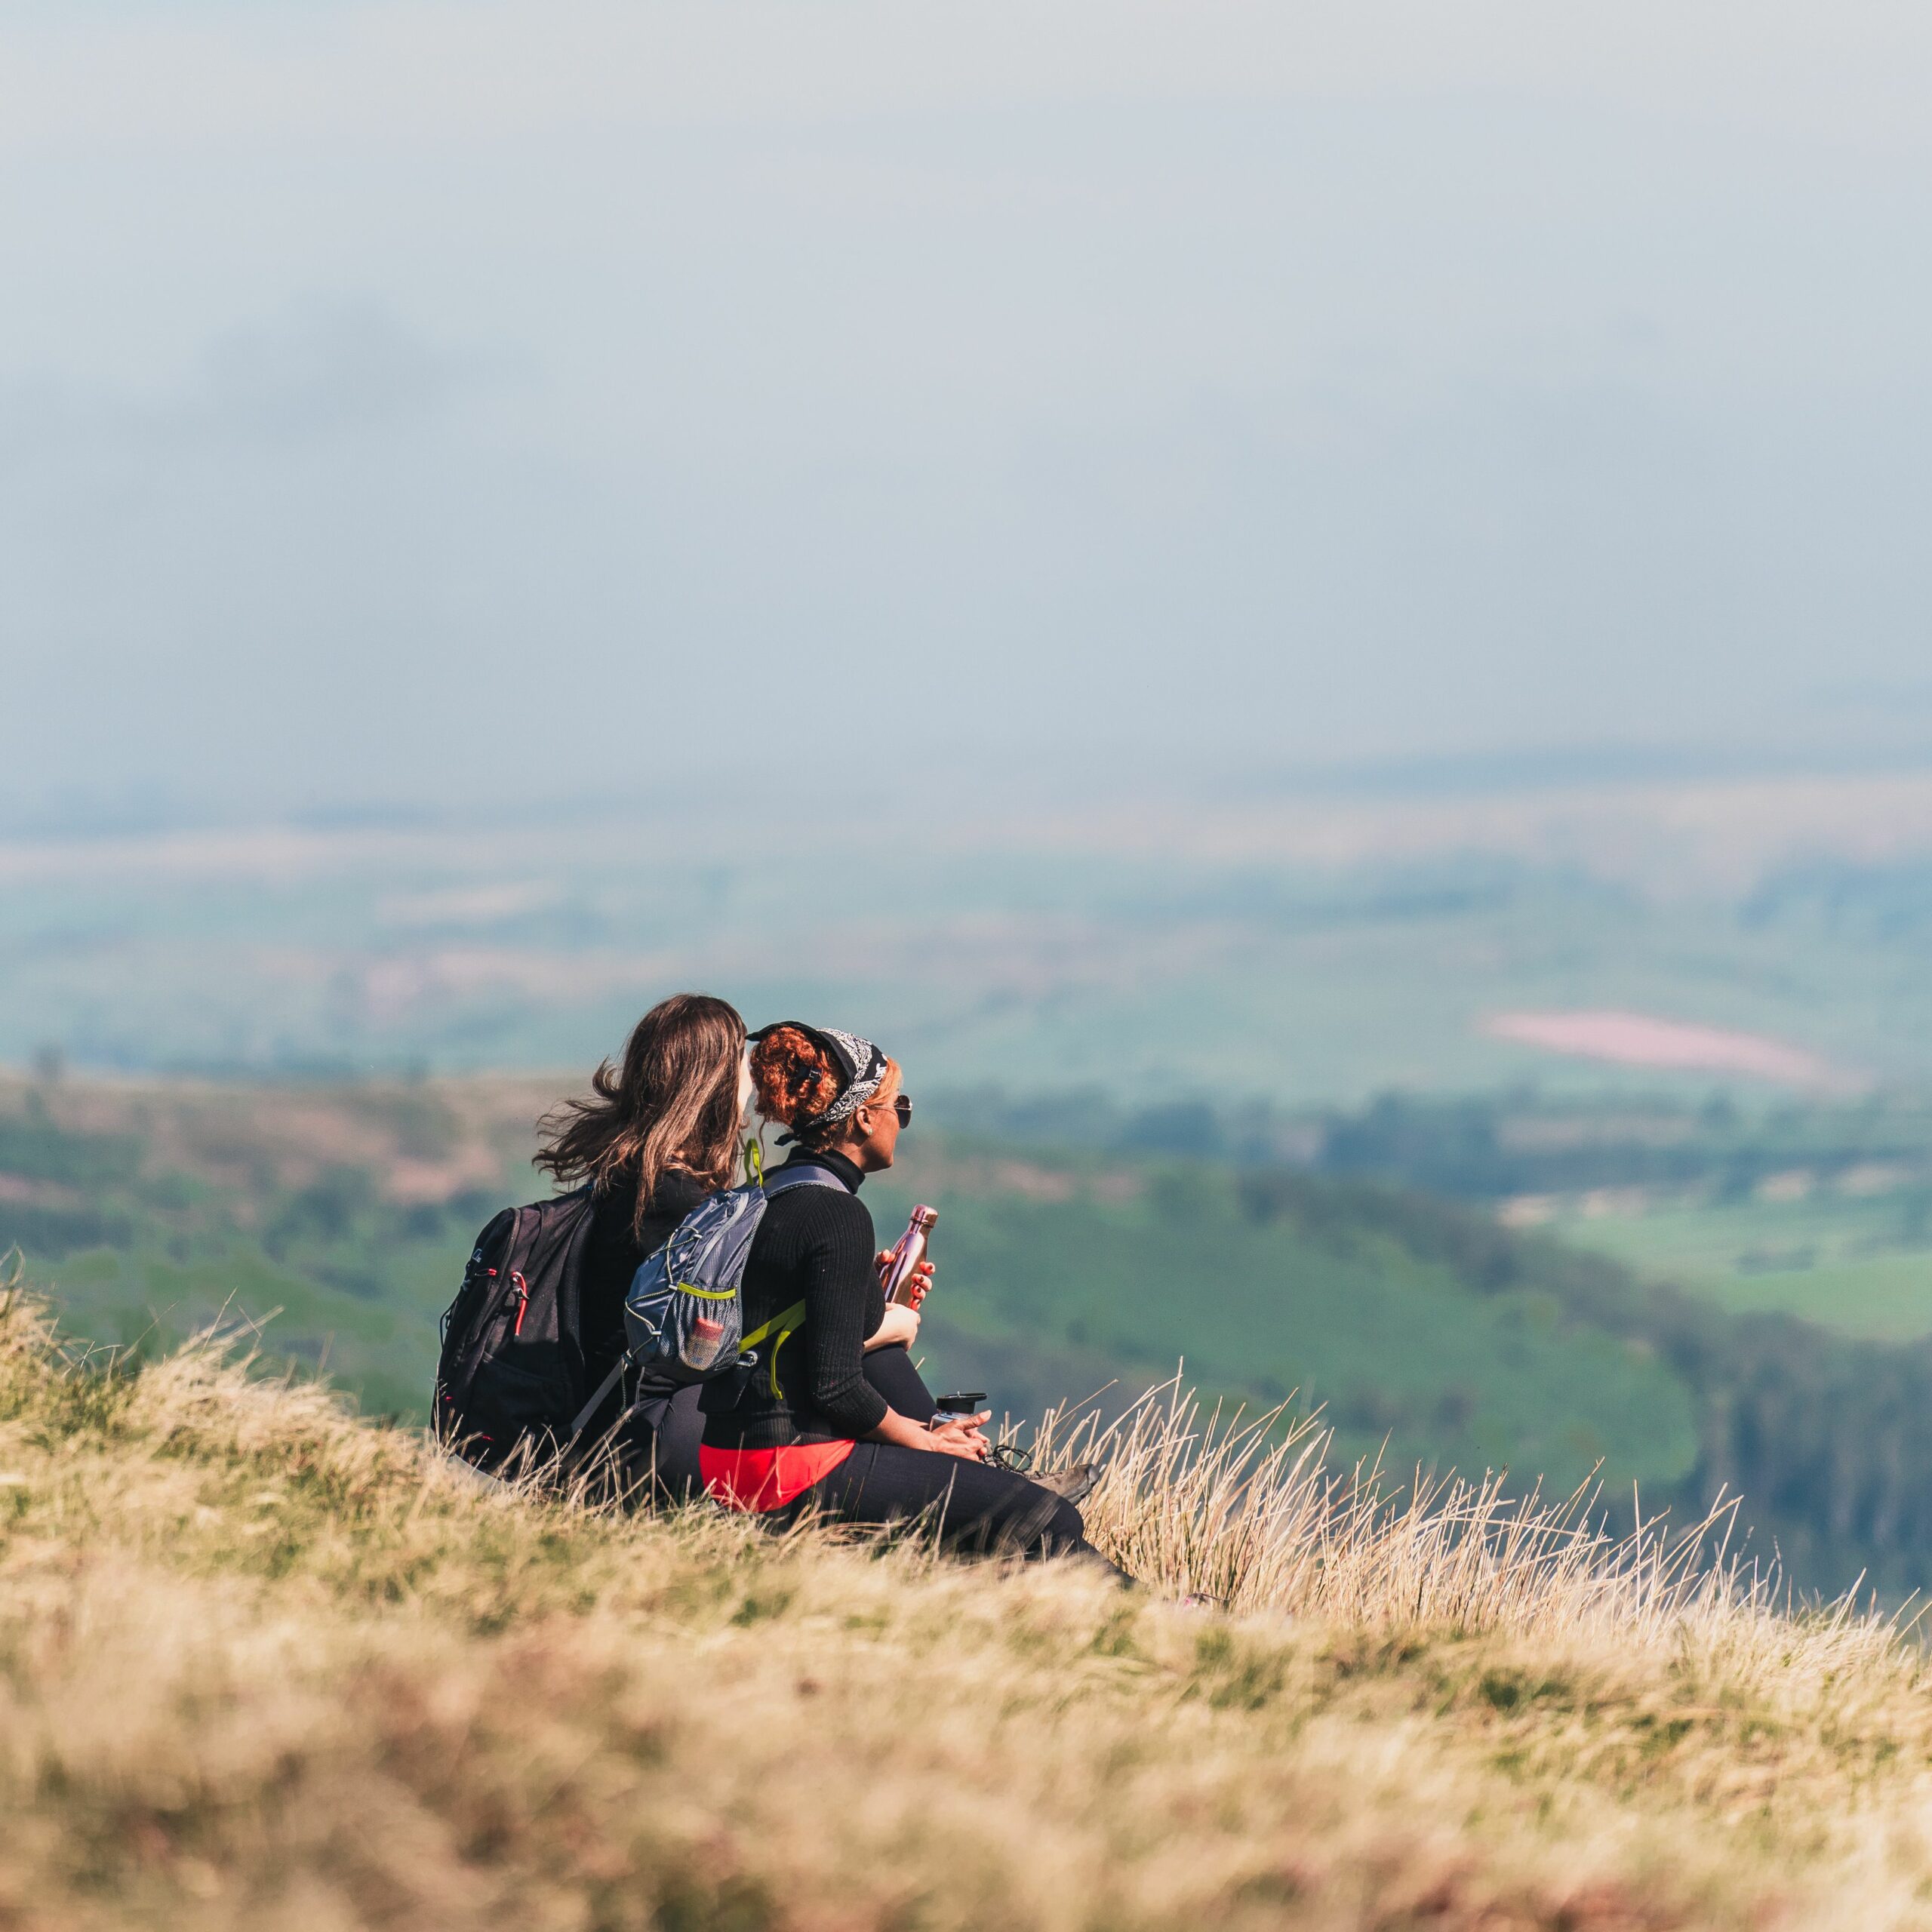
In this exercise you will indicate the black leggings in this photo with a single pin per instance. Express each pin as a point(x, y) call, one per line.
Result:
point(975, 1509)
point(661, 1436)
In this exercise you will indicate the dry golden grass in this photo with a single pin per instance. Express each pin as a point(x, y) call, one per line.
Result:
point(262, 1665)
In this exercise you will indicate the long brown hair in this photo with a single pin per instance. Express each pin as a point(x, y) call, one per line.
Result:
point(674, 1104)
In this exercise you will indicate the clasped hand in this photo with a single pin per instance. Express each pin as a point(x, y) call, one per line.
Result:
point(961, 1436)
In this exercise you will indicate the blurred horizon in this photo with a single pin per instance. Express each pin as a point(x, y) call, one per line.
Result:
point(964, 786)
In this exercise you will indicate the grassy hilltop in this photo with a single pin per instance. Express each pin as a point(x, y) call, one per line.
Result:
point(264, 1666)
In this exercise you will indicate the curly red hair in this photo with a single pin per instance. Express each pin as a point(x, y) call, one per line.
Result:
point(795, 1077)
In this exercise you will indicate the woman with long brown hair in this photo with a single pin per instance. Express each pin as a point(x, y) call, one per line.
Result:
point(656, 1135)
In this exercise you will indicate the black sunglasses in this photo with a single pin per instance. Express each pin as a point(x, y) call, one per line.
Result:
point(901, 1104)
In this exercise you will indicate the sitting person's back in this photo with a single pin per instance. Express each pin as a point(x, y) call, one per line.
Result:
point(814, 1252)
point(659, 1134)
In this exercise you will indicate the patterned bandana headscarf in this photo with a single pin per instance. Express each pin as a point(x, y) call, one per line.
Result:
point(863, 1064)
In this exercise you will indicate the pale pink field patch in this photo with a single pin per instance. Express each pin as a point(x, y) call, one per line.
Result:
point(1639, 1039)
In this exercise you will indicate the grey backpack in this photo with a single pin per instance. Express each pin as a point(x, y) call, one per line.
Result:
point(683, 1320)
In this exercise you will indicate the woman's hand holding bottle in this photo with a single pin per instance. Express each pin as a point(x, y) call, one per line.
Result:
point(918, 1285)
point(901, 1324)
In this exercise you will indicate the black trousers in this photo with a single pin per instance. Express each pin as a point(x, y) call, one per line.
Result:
point(973, 1508)
point(659, 1440)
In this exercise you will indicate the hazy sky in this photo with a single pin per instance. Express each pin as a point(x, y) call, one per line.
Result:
point(402, 401)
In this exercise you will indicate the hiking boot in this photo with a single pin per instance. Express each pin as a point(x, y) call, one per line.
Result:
point(1074, 1483)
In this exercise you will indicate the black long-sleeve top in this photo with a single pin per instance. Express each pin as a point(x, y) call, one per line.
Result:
point(815, 1245)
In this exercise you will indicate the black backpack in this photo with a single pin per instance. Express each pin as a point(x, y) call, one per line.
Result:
point(511, 1368)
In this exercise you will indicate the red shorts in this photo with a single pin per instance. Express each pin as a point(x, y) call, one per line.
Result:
point(768, 1479)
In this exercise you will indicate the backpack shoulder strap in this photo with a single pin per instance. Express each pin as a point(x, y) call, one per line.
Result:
point(805, 1176)
point(581, 1421)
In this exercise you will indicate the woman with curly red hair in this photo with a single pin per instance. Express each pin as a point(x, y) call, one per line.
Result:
point(808, 1430)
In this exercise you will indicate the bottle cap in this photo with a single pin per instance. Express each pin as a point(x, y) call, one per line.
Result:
point(925, 1217)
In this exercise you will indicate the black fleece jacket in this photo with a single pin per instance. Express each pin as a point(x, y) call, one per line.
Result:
point(814, 1245)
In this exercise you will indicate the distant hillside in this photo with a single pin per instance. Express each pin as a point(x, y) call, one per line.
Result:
point(345, 1212)
point(1415, 1323)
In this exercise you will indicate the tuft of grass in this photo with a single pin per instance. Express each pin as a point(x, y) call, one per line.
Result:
point(1247, 1511)
point(265, 1665)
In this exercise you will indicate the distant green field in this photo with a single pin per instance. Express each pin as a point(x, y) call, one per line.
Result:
point(1832, 1261)
point(1819, 1208)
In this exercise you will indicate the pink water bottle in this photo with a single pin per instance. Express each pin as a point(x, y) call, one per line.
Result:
point(897, 1279)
